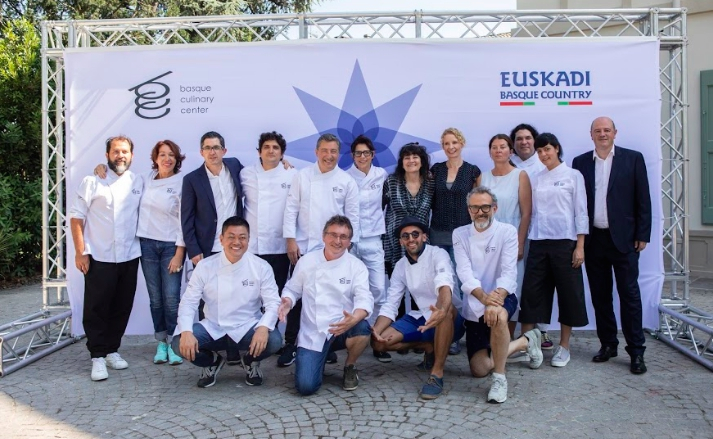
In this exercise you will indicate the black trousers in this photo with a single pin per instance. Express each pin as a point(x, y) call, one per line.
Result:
point(601, 257)
point(109, 291)
point(282, 269)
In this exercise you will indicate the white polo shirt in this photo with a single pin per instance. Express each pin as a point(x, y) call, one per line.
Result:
point(327, 289)
point(159, 214)
point(314, 198)
point(110, 210)
point(486, 259)
point(371, 189)
point(234, 295)
point(265, 197)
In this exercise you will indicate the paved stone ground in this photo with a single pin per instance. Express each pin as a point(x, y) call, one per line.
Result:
point(54, 397)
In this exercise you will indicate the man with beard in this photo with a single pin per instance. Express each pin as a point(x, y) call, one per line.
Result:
point(103, 220)
point(486, 261)
point(426, 272)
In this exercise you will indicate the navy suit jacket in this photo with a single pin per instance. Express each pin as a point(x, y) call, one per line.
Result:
point(199, 217)
point(628, 197)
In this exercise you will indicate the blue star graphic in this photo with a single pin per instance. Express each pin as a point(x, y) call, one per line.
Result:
point(358, 116)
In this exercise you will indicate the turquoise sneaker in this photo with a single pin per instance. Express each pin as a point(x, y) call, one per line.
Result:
point(173, 359)
point(161, 353)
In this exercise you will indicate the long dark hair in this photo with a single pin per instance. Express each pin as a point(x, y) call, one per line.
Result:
point(507, 140)
point(413, 149)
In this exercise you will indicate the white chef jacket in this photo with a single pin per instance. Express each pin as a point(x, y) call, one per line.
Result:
point(559, 204)
point(233, 295)
point(422, 279)
point(327, 289)
point(265, 196)
point(159, 214)
point(226, 199)
point(371, 188)
point(486, 259)
point(602, 171)
point(110, 210)
point(532, 166)
point(314, 198)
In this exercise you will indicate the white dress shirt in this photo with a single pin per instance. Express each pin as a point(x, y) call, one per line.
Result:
point(327, 289)
point(110, 210)
point(233, 294)
point(532, 166)
point(226, 200)
point(559, 204)
point(265, 197)
point(159, 214)
point(432, 271)
point(602, 170)
point(486, 259)
point(371, 188)
point(314, 198)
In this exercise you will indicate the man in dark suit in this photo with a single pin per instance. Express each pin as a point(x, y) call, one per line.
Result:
point(211, 194)
point(619, 206)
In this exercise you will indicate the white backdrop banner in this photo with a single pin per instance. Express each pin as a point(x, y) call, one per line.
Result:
point(395, 92)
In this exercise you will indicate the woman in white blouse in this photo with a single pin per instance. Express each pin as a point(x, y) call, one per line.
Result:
point(557, 229)
point(512, 187)
point(162, 248)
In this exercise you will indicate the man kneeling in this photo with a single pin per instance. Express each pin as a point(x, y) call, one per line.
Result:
point(486, 260)
point(426, 272)
point(336, 300)
point(235, 285)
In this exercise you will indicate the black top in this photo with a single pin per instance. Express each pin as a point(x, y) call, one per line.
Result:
point(449, 208)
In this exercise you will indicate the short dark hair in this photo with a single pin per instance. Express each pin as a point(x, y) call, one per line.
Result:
point(413, 149)
point(362, 140)
point(545, 139)
point(328, 137)
point(119, 138)
point(339, 220)
point(235, 221)
point(175, 149)
point(272, 135)
point(524, 126)
point(213, 135)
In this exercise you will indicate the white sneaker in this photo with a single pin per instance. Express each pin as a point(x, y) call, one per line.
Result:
point(99, 372)
point(498, 389)
point(534, 349)
point(115, 361)
point(561, 357)
point(518, 357)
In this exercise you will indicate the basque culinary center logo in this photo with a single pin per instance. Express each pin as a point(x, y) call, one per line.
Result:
point(151, 98)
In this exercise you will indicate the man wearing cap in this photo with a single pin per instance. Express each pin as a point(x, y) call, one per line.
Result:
point(486, 263)
point(426, 272)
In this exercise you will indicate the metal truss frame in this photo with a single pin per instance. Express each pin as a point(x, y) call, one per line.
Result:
point(680, 323)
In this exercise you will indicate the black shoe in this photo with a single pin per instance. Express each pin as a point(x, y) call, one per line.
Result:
point(331, 357)
point(383, 357)
point(638, 366)
point(350, 379)
point(402, 351)
point(289, 352)
point(210, 373)
point(419, 351)
point(604, 354)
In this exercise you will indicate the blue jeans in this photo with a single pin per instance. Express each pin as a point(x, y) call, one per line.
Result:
point(207, 345)
point(309, 364)
point(164, 288)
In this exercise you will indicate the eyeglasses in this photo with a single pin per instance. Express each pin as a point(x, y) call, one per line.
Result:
point(211, 148)
point(415, 234)
point(485, 208)
point(366, 153)
point(336, 236)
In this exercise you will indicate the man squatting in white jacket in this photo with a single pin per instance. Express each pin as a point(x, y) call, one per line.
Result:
point(336, 300)
point(486, 263)
point(235, 286)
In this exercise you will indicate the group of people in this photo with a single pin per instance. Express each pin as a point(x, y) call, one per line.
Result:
point(465, 252)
